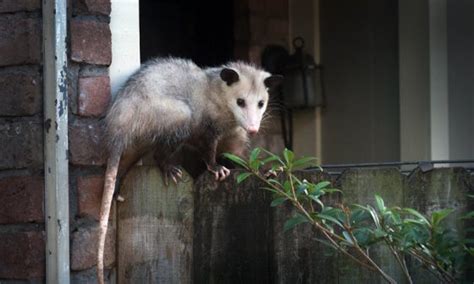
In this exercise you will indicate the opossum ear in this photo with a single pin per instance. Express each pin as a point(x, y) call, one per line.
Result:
point(229, 76)
point(273, 81)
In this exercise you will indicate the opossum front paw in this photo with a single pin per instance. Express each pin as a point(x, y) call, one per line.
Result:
point(173, 173)
point(220, 172)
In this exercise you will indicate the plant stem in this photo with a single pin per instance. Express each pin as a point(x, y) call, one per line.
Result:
point(443, 274)
point(401, 262)
point(372, 265)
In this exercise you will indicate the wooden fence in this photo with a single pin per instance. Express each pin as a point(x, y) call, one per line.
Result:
point(210, 232)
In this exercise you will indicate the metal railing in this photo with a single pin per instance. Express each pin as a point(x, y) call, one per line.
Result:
point(405, 167)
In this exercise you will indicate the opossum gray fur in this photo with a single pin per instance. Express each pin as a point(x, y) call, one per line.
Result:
point(170, 102)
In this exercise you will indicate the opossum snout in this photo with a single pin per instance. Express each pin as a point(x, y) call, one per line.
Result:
point(252, 130)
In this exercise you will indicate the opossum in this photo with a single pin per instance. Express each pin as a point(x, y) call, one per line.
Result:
point(236, 142)
point(169, 102)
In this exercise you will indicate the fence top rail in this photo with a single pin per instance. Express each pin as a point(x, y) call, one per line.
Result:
point(425, 165)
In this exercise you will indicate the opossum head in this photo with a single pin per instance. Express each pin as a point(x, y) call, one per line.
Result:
point(246, 89)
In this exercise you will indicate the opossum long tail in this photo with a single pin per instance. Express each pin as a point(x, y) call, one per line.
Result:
point(109, 186)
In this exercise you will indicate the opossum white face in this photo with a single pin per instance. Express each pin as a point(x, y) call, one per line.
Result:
point(247, 95)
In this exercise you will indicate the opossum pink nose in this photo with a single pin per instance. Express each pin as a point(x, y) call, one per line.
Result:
point(252, 130)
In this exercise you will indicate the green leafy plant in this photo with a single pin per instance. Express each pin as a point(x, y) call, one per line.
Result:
point(354, 229)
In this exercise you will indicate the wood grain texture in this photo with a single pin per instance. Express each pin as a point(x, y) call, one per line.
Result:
point(233, 235)
point(155, 231)
point(221, 232)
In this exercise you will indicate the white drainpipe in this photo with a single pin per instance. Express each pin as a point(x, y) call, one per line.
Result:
point(56, 141)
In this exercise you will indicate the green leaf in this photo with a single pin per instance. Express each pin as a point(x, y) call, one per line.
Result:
point(413, 221)
point(331, 190)
point(417, 214)
point(241, 177)
point(254, 154)
point(438, 216)
point(304, 162)
point(274, 183)
point(255, 165)
point(236, 159)
point(274, 156)
point(302, 188)
point(329, 218)
point(469, 215)
point(317, 200)
point(270, 159)
point(363, 235)
point(322, 185)
point(380, 203)
point(379, 233)
point(278, 201)
point(288, 155)
point(291, 223)
point(375, 216)
point(359, 215)
point(287, 186)
point(348, 237)
point(271, 190)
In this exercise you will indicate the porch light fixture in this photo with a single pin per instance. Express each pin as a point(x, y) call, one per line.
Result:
point(302, 75)
point(303, 85)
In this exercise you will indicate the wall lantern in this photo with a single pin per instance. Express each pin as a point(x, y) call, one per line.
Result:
point(302, 75)
point(303, 86)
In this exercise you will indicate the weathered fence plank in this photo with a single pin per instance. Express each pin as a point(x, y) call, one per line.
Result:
point(221, 232)
point(360, 186)
point(298, 257)
point(155, 229)
point(233, 239)
point(434, 190)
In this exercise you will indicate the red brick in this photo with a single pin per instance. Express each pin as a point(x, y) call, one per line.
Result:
point(9, 6)
point(101, 7)
point(84, 248)
point(90, 42)
point(20, 94)
point(21, 144)
point(89, 190)
point(94, 95)
point(86, 143)
point(22, 255)
point(20, 40)
point(21, 199)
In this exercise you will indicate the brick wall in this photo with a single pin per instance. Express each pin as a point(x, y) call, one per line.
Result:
point(22, 234)
point(89, 94)
point(258, 24)
point(22, 229)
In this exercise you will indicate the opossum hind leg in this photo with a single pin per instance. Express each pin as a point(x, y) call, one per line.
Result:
point(129, 158)
point(164, 156)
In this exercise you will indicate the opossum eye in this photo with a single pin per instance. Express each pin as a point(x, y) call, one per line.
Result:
point(241, 102)
point(260, 104)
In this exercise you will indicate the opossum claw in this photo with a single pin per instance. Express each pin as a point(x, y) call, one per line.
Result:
point(220, 172)
point(173, 173)
point(224, 172)
point(270, 174)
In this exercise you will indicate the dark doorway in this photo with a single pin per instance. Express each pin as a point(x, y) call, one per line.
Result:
point(198, 30)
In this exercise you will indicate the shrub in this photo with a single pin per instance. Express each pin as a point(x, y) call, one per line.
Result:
point(354, 229)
